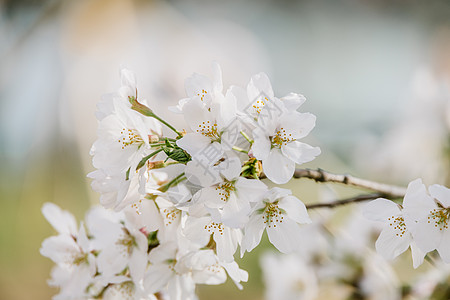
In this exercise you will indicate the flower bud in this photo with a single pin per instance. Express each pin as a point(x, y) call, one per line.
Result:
point(252, 168)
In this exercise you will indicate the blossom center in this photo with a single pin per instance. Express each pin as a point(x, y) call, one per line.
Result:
point(210, 130)
point(225, 190)
point(272, 215)
point(281, 138)
point(80, 259)
point(170, 215)
point(214, 228)
point(130, 137)
point(259, 104)
point(398, 224)
point(202, 94)
point(440, 217)
point(126, 242)
point(124, 290)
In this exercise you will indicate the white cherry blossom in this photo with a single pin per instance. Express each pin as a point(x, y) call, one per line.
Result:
point(395, 238)
point(280, 214)
point(427, 215)
point(277, 145)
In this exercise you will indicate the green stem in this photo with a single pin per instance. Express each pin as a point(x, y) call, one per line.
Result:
point(247, 137)
point(144, 160)
point(173, 182)
point(168, 125)
point(239, 149)
point(141, 108)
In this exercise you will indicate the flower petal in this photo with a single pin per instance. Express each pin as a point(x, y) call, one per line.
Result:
point(440, 193)
point(285, 236)
point(277, 167)
point(389, 245)
point(300, 152)
point(295, 209)
point(380, 210)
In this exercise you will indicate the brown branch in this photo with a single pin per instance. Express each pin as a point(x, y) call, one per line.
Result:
point(384, 190)
point(355, 199)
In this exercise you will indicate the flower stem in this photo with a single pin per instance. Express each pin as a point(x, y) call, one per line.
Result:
point(141, 108)
point(247, 137)
point(239, 149)
point(144, 160)
point(173, 182)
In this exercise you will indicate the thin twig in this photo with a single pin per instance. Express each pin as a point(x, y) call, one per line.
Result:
point(319, 175)
point(360, 198)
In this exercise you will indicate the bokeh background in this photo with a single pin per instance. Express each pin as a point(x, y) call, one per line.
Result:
point(375, 73)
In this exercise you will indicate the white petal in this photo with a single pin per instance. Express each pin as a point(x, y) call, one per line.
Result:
point(441, 193)
point(295, 209)
point(235, 212)
point(417, 203)
point(261, 145)
point(300, 152)
point(253, 233)
point(195, 231)
point(163, 253)
point(60, 249)
point(444, 246)
point(235, 273)
point(250, 189)
point(285, 236)
point(380, 210)
point(278, 168)
point(202, 174)
point(196, 83)
point(63, 221)
point(230, 168)
point(417, 255)
point(193, 143)
point(138, 258)
point(259, 85)
point(426, 235)
point(157, 278)
point(226, 245)
point(389, 245)
point(297, 125)
point(217, 77)
point(292, 101)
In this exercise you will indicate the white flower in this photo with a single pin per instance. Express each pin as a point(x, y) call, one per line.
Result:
point(128, 80)
point(427, 216)
point(199, 230)
point(71, 251)
point(162, 275)
point(395, 238)
point(121, 243)
point(280, 214)
point(277, 145)
point(259, 93)
point(199, 86)
point(213, 132)
point(287, 277)
point(228, 198)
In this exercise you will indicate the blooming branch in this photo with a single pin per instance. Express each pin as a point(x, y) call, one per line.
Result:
point(355, 199)
point(384, 190)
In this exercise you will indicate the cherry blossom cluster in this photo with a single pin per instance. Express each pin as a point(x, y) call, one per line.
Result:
point(177, 204)
point(420, 223)
point(338, 261)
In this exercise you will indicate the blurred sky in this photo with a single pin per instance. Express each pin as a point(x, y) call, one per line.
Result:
point(361, 64)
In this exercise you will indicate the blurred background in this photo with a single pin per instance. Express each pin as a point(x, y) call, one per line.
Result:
point(375, 73)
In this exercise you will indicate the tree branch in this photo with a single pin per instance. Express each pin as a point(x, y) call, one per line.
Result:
point(355, 199)
point(383, 190)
